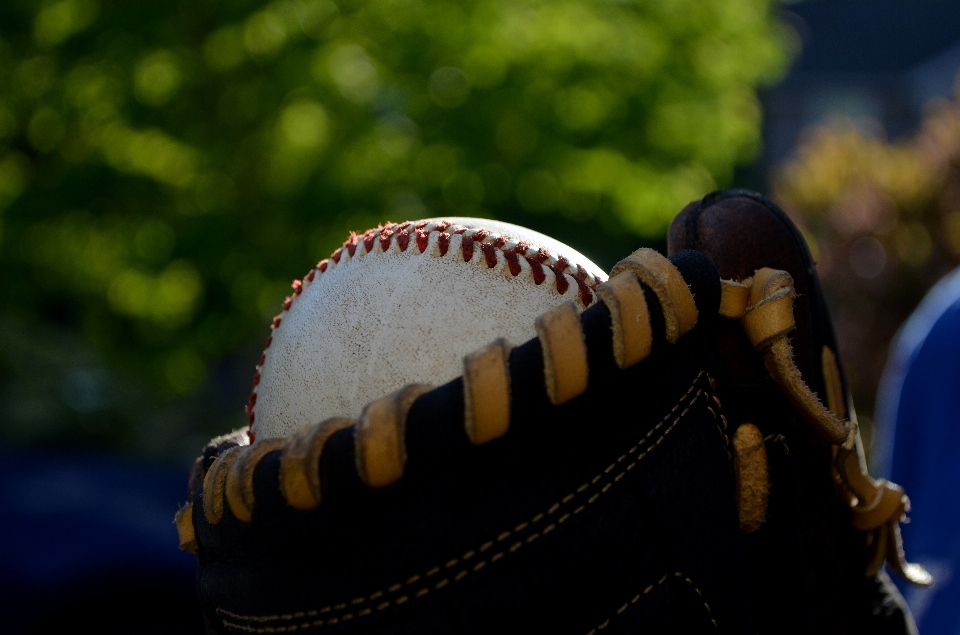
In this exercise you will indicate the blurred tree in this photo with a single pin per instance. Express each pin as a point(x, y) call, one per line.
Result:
point(884, 221)
point(166, 168)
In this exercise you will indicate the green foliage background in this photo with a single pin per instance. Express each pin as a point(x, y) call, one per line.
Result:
point(167, 167)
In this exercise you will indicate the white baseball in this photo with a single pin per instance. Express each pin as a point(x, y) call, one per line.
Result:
point(403, 304)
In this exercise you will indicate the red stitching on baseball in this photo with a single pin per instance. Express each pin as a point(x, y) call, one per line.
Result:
point(562, 284)
point(489, 254)
point(443, 243)
point(445, 230)
point(351, 244)
point(422, 239)
point(369, 237)
point(403, 240)
point(536, 268)
point(513, 262)
point(586, 291)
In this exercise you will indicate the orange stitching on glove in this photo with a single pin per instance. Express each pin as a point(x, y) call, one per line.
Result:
point(647, 590)
point(467, 557)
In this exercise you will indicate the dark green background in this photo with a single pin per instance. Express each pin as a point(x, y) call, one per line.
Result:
point(167, 168)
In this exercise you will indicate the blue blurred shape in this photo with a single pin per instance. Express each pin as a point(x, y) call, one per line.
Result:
point(918, 411)
point(91, 533)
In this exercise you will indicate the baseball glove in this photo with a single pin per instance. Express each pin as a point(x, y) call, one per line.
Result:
point(619, 472)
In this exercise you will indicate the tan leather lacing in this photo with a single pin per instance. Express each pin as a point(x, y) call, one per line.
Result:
point(184, 522)
point(878, 506)
point(752, 477)
point(381, 450)
point(764, 306)
point(379, 432)
point(486, 392)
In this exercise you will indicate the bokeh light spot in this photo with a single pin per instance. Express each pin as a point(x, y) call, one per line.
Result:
point(303, 125)
point(224, 49)
point(913, 243)
point(154, 240)
point(315, 16)
point(156, 78)
point(867, 257)
point(485, 67)
point(264, 35)
point(407, 204)
point(463, 192)
point(496, 183)
point(436, 163)
point(515, 137)
point(397, 135)
point(354, 73)
point(8, 122)
point(448, 87)
point(185, 372)
point(59, 20)
point(583, 108)
point(46, 129)
point(13, 175)
point(951, 225)
point(537, 191)
point(35, 76)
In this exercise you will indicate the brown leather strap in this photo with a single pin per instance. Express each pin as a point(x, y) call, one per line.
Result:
point(629, 318)
point(300, 463)
point(766, 322)
point(381, 455)
point(752, 477)
point(486, 392)
point(214, 484)
point(564, 353)
point(769, 314)
point(835, 398)
point(664, 279)
point(733, 298)
point(185, 531)
point(239, 486)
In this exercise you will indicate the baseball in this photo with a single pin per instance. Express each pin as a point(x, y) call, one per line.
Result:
point(403, 304)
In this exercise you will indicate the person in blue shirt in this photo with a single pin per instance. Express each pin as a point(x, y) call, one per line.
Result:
point(918, 417)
